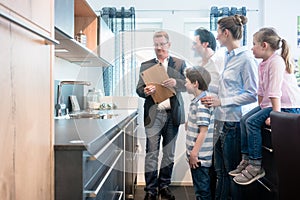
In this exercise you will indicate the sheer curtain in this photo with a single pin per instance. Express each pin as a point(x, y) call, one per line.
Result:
point(119, 79)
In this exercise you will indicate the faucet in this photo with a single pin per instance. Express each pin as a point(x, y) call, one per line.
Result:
point(59, 106)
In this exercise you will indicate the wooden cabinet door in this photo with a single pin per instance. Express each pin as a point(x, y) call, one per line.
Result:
point(40, 12)
point(26, 133)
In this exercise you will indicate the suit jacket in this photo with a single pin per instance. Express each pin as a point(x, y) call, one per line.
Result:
point(175, 70)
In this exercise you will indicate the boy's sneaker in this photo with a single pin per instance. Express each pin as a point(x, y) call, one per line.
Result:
point(243, 164)
point(249, 175)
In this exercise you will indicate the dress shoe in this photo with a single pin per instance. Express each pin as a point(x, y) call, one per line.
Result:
point(150, 196)
point(166, 194)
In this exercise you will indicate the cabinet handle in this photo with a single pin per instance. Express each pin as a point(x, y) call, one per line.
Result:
point(264, 185)
point(135, 129)
point(27, 27)
point(135, 152)
point(94, 193)
point(268, 149)
point(130, 122)
point(97, 155)
point(120, 193)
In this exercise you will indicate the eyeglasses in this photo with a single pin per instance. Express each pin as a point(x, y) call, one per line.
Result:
point(161, 45)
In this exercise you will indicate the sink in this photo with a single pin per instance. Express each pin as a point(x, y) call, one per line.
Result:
point(88, 115)
point(85, 115)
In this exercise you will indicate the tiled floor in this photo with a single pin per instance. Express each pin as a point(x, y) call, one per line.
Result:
point(180, 192)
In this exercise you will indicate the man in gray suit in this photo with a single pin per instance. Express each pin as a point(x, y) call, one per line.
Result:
point(162, 120)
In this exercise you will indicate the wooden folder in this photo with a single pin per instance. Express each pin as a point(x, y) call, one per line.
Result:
point(155, 75)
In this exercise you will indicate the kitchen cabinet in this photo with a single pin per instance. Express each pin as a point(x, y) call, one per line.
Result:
point(270, 180)
point(64, 16)
point(91, 156)
point(26, 120)
point(82, 175)
point(285, 140)
point(86, 21)
point(131, 155)
point(72, 17)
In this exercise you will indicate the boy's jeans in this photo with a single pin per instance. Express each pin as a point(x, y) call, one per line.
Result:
point(201, 182)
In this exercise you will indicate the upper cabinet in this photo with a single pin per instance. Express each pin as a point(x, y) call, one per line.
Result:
point(71, 18)
point(64, 16)
point(86, 22)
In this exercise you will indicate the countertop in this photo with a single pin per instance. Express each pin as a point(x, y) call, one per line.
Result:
point(89, 134)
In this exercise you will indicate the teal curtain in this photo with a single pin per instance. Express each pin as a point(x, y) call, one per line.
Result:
point(217, 13)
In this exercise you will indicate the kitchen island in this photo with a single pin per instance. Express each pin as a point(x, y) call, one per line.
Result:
point(94, 158)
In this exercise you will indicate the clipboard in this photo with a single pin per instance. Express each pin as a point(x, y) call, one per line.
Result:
point(156, 75)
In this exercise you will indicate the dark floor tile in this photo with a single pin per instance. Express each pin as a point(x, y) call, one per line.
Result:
point(180, 192)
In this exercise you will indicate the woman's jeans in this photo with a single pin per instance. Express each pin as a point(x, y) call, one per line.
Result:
point(164, 129)
point(201, 182)
point(251, 124)
point(227, 156)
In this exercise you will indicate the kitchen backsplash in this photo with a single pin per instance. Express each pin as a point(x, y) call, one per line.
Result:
point(66, 91)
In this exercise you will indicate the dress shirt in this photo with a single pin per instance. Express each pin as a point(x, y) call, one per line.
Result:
point(238, 84)
point(214, 66)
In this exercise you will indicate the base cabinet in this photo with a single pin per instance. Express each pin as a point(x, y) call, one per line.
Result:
point(265, 188)
point(109, 172)
point(80, 175)
point(26, 134)
point(270, 180)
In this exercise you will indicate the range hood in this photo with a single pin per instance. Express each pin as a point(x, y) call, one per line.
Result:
point(74, 52)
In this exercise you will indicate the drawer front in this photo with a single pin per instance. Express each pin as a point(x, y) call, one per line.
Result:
point(98, 168)
point(112, 188)
point(269, 164)
point(266, 134)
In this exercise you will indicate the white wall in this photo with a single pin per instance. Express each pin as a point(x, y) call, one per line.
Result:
point(66, 71)
point(283, 16)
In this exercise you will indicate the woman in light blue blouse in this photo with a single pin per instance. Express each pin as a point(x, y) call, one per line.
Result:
point(237, 88)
